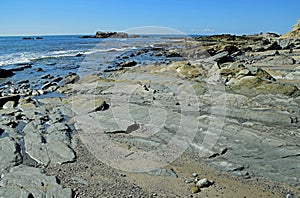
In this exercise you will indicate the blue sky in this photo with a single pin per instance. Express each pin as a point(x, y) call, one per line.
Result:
point(45, 17)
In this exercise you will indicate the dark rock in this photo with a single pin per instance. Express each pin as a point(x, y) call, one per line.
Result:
point(6, 73)
point(217, 56)
point(79, 54)
point(39, 38)
point(28, 38)
point(86, 36)
point(39, 69)
point(276, 53)
point(231, 49)
point(104, 106)
point(5, 99)
point(221, 38)
point(100, 34)
point(173, 54)
point(274, 46)
point(70, 78)
point(57, 79)
point(23, 81)
point(47, 76)
point(128, 64)
point(48, 85)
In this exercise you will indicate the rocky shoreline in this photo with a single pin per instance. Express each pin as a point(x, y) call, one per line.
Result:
point(247, 86)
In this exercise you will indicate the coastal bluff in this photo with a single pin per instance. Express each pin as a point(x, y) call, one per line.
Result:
point(295, 33)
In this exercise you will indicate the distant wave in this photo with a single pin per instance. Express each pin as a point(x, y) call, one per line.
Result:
point(25, 57)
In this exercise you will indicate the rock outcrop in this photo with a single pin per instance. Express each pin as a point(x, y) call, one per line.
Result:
point(111, 35)
point(24, 181)
point(5, 73)
point(295, 33)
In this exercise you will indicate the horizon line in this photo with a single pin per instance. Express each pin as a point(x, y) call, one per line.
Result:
point(92, 34)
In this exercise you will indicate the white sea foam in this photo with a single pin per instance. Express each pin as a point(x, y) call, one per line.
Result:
point(25, 57)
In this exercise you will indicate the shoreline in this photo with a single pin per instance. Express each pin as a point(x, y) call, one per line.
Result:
point(268, 129)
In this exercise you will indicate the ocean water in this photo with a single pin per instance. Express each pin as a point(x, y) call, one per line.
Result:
point(59, 55)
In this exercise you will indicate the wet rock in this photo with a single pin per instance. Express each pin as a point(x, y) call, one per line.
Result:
point(47, 76)
point(24, 181)
point(35, 93)
point(9, 105)
point(28, 38)
point(23, 82)
point(128, 64)
point(39, 69)
point(57, 79)
point(173, 54)
point(50, 87)
point(21, 67)
point(6, 73)
point(5, 99)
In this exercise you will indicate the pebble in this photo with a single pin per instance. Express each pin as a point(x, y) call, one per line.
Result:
point(194, 174)
point(195, 189)
point(188, 181)
point(289, 196)
point(203, 183)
